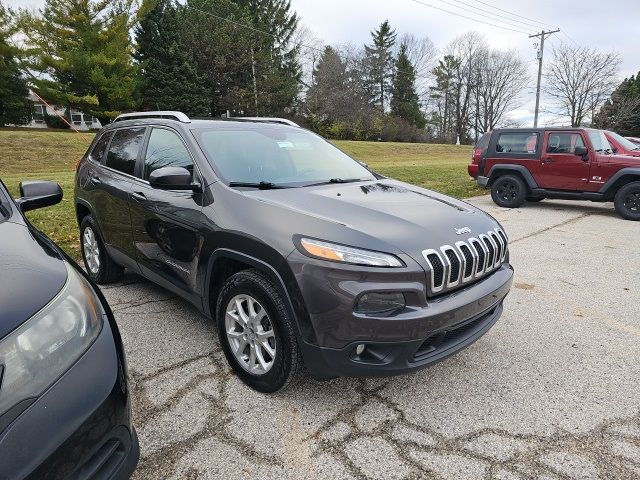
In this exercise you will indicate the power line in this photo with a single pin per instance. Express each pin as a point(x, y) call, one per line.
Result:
point(470, 18)
point(523, 22)
point(515, 14)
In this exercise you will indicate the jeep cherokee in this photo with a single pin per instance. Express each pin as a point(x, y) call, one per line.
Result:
point(568, 163)
point(303, 255)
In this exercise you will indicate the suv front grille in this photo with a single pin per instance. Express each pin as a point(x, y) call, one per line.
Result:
point(466, 261)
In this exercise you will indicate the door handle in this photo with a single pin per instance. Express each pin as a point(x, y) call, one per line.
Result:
point(548, 160)
point(95, 180)
point(138, 196)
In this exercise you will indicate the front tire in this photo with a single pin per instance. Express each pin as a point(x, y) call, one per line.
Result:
point(100, 266)
point(627, 201)
point(256, 332)
point(509, 191)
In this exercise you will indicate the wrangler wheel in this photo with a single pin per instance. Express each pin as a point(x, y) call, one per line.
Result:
point(627, 201)
point(508, 191)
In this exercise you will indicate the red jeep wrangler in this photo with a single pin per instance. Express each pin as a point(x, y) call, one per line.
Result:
point(569, 163)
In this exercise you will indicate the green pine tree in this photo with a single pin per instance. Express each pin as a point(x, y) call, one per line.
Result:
point(168, 78)
point(15, 107)
point(379, 63)
point(404, 99)
point(82, 50)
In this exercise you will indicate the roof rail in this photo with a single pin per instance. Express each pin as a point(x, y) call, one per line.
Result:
point(179, 116)
point(283, 121)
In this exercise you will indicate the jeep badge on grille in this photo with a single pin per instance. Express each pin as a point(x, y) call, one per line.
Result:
point(463, 230)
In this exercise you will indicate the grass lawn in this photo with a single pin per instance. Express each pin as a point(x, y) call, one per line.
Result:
point(52, 155)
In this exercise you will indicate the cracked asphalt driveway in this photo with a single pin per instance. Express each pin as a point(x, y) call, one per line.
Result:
point(552, 391)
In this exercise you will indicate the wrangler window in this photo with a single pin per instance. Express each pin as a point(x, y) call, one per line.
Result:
point(522, 143)
point(564, 142)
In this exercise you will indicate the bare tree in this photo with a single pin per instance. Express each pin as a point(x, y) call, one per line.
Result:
point(310, 47)
point(466, 49)
point(501, 76)
point(579, 79)
point(422, 54)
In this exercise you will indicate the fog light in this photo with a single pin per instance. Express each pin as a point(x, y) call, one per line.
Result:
point(380, 303)
point(360, 349)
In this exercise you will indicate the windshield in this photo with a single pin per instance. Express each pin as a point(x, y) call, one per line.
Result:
point(599, 141)
point(276, 154)
point(626, 144)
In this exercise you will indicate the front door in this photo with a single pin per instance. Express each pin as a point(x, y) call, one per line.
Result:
point(560, 167)
point(166, 222)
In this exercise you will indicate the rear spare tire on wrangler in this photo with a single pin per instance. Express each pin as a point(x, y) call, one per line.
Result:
point(509, 191)
point(256, 332)
point(627, 201)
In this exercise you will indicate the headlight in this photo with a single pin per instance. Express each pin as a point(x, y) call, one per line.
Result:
point(38, 352)
point(342, 253)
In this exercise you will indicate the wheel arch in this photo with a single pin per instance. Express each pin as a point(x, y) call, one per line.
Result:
point(506, 169)
point(82, 210)
point(620, 179)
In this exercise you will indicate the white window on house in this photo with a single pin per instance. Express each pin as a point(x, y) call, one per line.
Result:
point(76, 117)
point(38, 113)
point(88, 119)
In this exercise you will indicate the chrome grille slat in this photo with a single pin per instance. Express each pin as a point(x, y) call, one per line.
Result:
point(466, 261)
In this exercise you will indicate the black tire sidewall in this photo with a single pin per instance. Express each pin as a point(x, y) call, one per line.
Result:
point(253, 284)
point(520, 196)
point(619, 201)
point(90, 222)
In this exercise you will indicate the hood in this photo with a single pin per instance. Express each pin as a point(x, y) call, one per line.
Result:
point(406, 218)
point(32, 274)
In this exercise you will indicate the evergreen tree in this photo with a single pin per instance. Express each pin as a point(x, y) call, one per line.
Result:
point(404, 99)
point(443, 94)
point(622, 111)
point(15, 107)
point(328, 95)
point(276, 72)
point(83, 51)
point(168, 79)
point(379, 63)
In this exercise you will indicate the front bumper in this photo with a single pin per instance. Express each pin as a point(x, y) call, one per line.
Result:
point(429, 329)
point(482, 181)
point(80, 428)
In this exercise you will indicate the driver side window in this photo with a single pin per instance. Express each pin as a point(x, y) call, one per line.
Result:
point(165, 149)
point(564, 142)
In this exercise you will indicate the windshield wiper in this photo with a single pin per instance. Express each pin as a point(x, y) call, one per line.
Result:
point(336, 180)
point(259, 185)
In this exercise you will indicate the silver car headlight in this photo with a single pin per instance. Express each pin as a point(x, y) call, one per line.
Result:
point(38, 352)
point(342, 253)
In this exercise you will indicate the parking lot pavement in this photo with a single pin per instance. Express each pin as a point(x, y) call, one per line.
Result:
point(552, 391)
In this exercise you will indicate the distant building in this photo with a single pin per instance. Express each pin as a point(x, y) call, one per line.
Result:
point(80, 121)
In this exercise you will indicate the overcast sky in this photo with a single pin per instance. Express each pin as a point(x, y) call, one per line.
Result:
point(610, 25)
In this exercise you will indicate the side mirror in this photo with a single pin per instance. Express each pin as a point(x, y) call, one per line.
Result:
point(582, 152)
point(38, 194)
point(172, 178)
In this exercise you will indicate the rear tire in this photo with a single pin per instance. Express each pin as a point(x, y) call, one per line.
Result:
point(100, 266)
point(627, 201)
point(256, 332)
point(509, 191)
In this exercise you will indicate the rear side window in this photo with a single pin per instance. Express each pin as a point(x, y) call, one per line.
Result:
point(165, 149)
point(124, 148)
point(483, 143)
point(564, 142)
point(97, 154)
point(524, 142)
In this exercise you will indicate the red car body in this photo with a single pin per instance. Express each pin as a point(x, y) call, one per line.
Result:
point(622, 145)
point(522, 164)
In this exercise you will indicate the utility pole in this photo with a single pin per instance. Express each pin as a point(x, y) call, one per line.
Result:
point(542, 36)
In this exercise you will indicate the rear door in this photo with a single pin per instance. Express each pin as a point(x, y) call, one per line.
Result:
point(166, 223)
point(560, 167)
point(112, 182)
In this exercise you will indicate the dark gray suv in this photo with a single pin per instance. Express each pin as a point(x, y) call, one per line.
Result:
point(304, 256)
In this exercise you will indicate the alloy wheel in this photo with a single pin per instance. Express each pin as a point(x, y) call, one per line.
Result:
point(632, 201)
point(507, 191)
point(250, 334)
point(91, 250)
